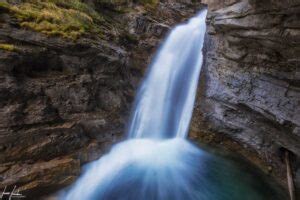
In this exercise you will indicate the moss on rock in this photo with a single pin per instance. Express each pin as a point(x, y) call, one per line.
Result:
point(69, 18)
point(7, 47)
point(66, 18)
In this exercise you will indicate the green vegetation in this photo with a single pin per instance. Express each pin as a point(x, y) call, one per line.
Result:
point(66, 18)
point(4, 6)
point(7, 47)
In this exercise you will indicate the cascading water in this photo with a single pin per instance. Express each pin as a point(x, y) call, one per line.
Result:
point(157, 162)
point(165, 100)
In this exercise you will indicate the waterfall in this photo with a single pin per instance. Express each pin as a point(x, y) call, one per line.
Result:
point(165, 101)
point(156, 162)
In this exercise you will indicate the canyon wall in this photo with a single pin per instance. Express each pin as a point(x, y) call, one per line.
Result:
point(250, 88)
point(65, 101)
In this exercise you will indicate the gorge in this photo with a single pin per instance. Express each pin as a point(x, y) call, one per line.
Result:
point(156, 162)
point(65, 101)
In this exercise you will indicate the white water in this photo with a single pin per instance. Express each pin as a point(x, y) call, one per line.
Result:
point(157, 162)
point(165, 101)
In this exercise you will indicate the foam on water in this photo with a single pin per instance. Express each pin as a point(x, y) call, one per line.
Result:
point(137, 169)
point(172, 169)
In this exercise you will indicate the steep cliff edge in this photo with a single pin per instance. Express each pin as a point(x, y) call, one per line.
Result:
point(66, 92)
point(251, 77)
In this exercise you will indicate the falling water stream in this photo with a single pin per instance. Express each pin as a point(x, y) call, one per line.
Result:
point(157, 162)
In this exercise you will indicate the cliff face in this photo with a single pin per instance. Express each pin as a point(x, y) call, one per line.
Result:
point(66, 95)
point(251, 77)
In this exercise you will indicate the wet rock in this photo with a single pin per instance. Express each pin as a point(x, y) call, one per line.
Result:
point(44, 175)
point(63, 103)
point(250, 77)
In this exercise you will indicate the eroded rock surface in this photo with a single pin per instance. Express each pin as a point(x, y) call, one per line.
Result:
point(64, 102)
point(251, 76)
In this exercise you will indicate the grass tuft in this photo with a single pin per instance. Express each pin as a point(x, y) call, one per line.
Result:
point(7, 47)
point(66, 18)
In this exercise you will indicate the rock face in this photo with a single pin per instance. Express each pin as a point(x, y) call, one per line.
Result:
point(251, 76)
point(64, 102)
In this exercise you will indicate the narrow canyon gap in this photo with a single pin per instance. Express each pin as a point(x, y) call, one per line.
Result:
point(157, 162)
